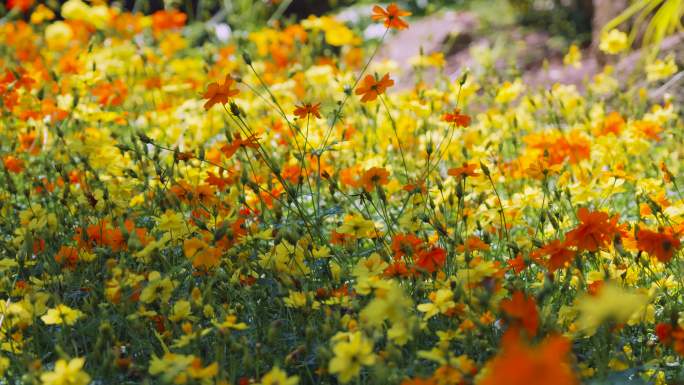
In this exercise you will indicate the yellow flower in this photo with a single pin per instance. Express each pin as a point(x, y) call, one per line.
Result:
point(75, 10)
point(612, 303)
point(62, 314)
point(613, 42)
point(181, 311)
point(157, 289)
point(4, 365)
point(350, 356)
point(41, 14)
point(660, 69)
point(442, 301)
point(509, 91)
point(573, 57)
point(67, 373)
point(356, 225)
point(230, 323)
point(277, 376)
point(170, 366)
point(295, 299)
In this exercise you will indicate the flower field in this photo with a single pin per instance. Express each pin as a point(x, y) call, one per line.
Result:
point(276, 207)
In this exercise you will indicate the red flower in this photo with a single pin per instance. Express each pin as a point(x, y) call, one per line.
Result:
point(660, 245)
point(559, 255)
point(22, 5)
point(405, 244)
point(595, 231)
point(432, 259)
point(520, 364)
point(457, 118)
point(522, 311)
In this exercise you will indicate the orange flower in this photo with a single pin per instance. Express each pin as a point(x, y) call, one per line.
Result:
point(559, 255)
point(111, 94)
point(595, 231)
point(391, 16)
point(520, 364)
point(22, 5)
point(612, 124)
point(372, 87)
point(13, 164)
point(432, 259)
point(473, 243)
point(523, 312)
point(457, 118)
point(172, 19)
point(67, 256)
point(249, 142)
point(405, 244)
point(657, 244)
point(219, 93)
point(308, 109)
point(374, 176)
point(468, 169)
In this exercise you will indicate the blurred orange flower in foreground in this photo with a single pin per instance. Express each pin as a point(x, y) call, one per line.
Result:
point(520, 364)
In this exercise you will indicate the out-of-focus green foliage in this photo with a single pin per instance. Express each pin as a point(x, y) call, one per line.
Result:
point(569, 19)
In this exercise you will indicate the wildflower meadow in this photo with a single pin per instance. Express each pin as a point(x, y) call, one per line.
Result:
point(260, 196)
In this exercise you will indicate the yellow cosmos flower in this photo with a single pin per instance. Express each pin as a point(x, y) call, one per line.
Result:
point(442, 301)
point(356, 225)
point(613, 42)
point(277, 376)
point(62, 314)
point(612, 303)
point(66, 373)
point(661, 69)
point(351, 356)
point(573, 57)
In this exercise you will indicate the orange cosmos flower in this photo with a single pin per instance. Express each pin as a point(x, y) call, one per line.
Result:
point(468, 169)
point(595, 231)
point(523, 312)
point(391, 16)
point(250, 142)
point(13, 164)
point(520, 364)
point(219, 93)
point(111, 94)
point(559, 255)
point(657, 244)
point(22, 5)
point(432, 259)
point(172, 19)
point(308, 109)
point(457, 118)
point(371, 87)
point(405, 244)
point(374, 176)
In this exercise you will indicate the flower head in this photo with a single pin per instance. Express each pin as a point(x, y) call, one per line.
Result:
point(391, 16)
point(219, 93)
point(66, 373)
point(307, 109)
point(372, 87)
